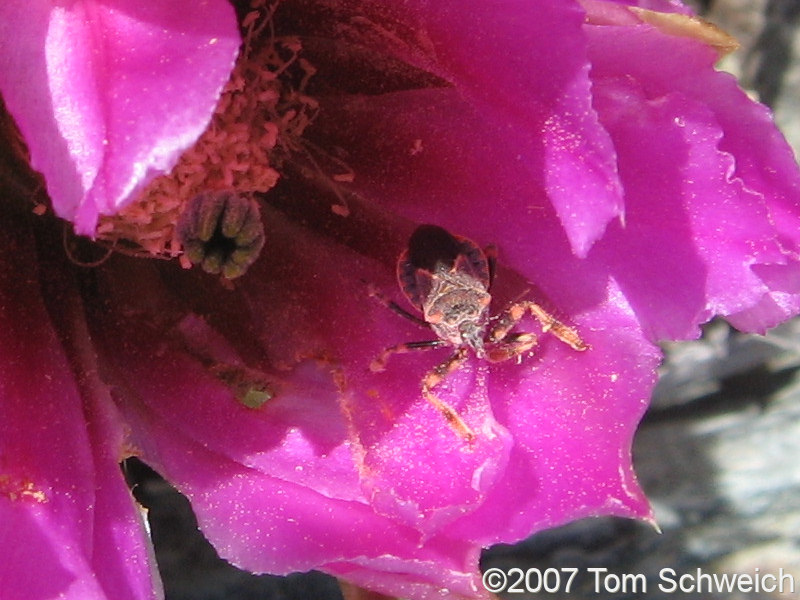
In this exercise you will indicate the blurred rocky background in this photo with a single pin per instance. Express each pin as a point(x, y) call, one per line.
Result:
point(718, 453)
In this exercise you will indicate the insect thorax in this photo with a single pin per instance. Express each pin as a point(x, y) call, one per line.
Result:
point(458, 309)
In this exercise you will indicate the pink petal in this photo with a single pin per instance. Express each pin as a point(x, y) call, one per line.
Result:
point(69, 525)
point(341, 449)
point(421, 186)
point(572, 418)
point(283, 479)
point(310, 424)
point(108, 94)
point(718, 175)
point(523, 68)
point(667, 6)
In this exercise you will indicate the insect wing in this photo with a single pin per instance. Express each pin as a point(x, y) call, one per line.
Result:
point(432, 250)
point(415, 283)
point(473, 262)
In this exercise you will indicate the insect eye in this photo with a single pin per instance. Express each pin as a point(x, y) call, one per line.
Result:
point(222, 232)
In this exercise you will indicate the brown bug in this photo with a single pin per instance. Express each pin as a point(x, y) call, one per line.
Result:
point(447, 278)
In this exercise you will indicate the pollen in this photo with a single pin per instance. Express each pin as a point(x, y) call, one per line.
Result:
point(259, 120)
point(20, 490)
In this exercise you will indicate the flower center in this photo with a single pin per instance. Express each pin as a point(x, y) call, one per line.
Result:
point(259, 120)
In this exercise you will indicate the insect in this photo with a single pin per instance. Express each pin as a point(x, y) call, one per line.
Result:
point(448, 278)
point(222, 232)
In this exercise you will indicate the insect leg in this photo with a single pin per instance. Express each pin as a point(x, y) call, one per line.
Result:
point(396, 308)
point(506, 322)
point(491, 258)
point(566, 334)
point(379, 364)
point(506, 344)
point(510, 346)
point(433, 378)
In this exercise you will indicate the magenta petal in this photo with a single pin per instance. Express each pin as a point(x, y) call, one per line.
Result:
point(340, 480)
point(524, 69)
point(108, 94)
point(565, 405)
point(276, 489)
point(717, 201)
point(352, 471)
point(68, 524)
point(360, 442)
point(572, 420)
point(668, 6)
point(266, 524)
point(696, 233)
